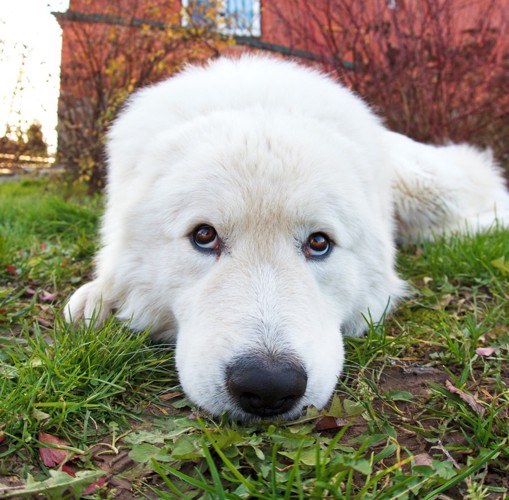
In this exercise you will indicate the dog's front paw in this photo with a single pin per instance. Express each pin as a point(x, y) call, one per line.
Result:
point(88, 303)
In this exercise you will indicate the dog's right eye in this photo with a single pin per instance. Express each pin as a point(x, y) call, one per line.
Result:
point(205, 239)
point(317, 246)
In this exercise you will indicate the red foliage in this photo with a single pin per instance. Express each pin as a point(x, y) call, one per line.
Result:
point(52, 456)
point(69, 469)
point(11, 269)
point(109, 50)
point(437, 70)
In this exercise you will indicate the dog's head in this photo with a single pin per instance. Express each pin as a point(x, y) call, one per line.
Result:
point(262, 237)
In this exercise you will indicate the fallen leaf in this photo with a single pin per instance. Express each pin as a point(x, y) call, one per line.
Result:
point(170, 395)
point(11, 269)
point(423, 459)
point(52, 456)
point(43, 322)
point(46, 296)
point(328, 423)
point(69, 469)
point(470, 400)
point(99, 483)
point(485, 351)
point(95, 485)
point(72, 471)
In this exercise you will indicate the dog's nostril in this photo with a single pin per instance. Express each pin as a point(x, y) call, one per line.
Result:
point(266, 390)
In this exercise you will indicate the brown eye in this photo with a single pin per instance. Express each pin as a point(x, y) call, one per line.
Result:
point(317, 246)
point(205, 238)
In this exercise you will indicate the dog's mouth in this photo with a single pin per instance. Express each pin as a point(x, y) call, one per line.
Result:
point(267, 387)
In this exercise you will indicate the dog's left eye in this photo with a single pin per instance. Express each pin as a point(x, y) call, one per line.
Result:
point(205, 238)
point(318, 245)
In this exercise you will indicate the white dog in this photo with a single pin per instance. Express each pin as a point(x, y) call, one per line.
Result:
point(251, 216)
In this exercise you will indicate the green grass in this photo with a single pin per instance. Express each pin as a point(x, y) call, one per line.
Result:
point(419, 413)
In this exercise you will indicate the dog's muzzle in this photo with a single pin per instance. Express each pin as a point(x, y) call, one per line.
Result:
point(266, 388)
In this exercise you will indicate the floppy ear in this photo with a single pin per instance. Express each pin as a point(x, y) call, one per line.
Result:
point(88, 304)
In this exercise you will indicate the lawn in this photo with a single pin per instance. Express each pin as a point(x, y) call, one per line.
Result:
point(422, 410)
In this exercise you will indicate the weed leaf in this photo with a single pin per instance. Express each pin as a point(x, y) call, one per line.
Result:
point(54, 486)
point(501, 265)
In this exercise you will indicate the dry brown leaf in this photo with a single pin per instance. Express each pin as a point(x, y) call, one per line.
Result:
point(469, 399)
point(43, 322)
point(170, 395)
point(327, 423)
point(423, 459)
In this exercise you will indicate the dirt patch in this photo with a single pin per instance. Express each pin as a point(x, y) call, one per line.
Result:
point(415, 379)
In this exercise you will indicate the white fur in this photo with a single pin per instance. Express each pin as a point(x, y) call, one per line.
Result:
point(445, 189)
point(268, 153)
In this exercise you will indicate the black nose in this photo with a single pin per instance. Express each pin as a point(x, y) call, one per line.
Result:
point(266, 389)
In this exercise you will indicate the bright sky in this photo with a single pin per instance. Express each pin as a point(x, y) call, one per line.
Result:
point(30, 46)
